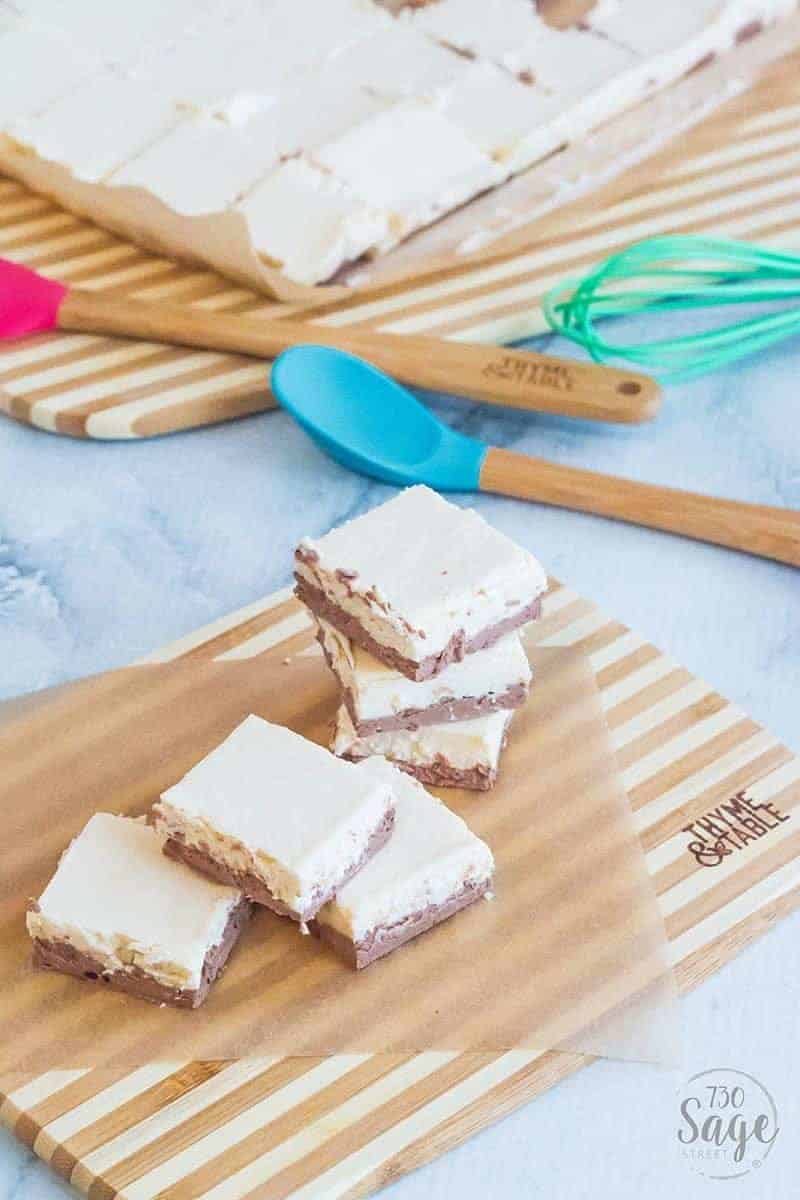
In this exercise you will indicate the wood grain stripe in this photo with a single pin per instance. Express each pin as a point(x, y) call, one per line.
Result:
point(84, 1116)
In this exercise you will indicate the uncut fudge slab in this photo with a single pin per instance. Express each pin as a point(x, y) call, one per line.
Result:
point(278, 816)
point(118, 911)
point(433, 866)
point(464, 754)
point(419, 583)
point(378, 698)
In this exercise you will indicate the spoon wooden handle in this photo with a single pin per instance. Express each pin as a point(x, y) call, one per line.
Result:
point(753, 528)
point(494, 375)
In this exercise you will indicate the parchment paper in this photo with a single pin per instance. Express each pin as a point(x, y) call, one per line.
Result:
point(570, 954)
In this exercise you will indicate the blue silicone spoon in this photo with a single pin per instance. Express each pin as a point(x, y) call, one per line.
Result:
point(372, 425)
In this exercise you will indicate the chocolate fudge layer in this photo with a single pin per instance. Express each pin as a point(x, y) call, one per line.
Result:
point(255, 888)
point(279, 813)
point(117, 910)
point(419, 583)
point(433, 867)
point(456, 649)
point(386, 938)
point(63, 956)
point(463, 754)
point(465, 709)
point(380, 699)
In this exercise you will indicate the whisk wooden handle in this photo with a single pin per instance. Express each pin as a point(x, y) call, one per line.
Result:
point(494, 375)
point(754, 528)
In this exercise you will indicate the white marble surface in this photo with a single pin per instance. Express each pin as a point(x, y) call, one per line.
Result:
point(107, 551)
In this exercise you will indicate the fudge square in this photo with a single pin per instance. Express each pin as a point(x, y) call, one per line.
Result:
point(278, 816)
point(118, 911)
point(380, 699)
point(432, 867)
point(419, 583)
point(464, 754)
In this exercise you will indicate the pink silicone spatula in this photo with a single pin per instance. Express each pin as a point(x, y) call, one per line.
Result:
point(29, 303)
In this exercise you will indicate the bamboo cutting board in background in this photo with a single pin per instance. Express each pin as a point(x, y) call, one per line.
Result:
point(735, 173)
point(343, 1126)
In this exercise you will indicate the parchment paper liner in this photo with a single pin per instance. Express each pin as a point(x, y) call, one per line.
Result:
point(570, 954)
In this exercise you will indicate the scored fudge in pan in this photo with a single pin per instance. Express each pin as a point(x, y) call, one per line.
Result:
point(278, 816)
point(118, 911)
point(419, 583)
point(380, 699)
point(432, 867)
point(463, 754)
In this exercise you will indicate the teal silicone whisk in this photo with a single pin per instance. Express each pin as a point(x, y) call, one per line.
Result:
point(680, 273)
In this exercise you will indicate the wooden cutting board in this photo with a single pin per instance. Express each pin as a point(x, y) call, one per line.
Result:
point(344, 1126)
point(735, 173)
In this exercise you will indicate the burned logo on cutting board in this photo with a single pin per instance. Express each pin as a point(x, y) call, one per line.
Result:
point(731, 826)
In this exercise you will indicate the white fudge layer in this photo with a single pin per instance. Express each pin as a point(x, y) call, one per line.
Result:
point(206, 165)
point(464, 745)
point(119, 34)
point(410, 162)
point(116, 897)
point(432, 855)
point(378, 691)
point(504, 31)
point(672, 39)
point(654, 30)
point(307, 223)
point(72, 133)
point(512, 121)
point(399, 62)
point(37, 66)
point(269, 802)
point(417, 571)
point(202, 165)
point(238, 67)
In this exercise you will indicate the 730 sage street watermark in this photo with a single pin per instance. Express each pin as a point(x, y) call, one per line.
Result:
point(728, 1123)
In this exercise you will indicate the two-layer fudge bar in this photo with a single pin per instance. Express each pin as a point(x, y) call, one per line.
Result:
point(118, 911)
point(432, 867)
point(278, 816)
point(379, 698)
point(419, 583)
point(464, 754)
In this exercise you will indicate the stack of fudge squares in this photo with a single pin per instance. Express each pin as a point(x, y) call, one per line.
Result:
point(419, 606)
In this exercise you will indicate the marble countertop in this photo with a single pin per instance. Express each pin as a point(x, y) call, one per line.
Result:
point(110, 550)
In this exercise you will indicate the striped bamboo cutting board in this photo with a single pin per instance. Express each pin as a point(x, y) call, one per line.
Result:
point(344, 1126)
point(735, 173)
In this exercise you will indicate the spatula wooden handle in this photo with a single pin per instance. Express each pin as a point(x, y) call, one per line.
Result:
point(753, 528)
point(494, 375)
